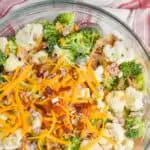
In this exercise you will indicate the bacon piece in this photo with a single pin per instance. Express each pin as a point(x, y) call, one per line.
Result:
point(97, 52)
point(113, 69)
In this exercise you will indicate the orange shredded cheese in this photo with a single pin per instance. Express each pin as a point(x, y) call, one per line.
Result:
point(57, 140)
point(11, 85)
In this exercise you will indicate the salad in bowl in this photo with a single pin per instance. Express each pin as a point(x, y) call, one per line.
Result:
point(68, 87)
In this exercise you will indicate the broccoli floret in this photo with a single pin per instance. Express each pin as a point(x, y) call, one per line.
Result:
point(130, 69)
point(134, 128)
point(75, 144)
point(140, 81)
point(2, 58)
point(69, 55)
point(81, 42)
point(111, 83)
point(13, 46)
point(65, 19)
point(51, 34)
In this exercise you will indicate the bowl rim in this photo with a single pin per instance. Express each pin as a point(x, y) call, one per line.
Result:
point(29, 6)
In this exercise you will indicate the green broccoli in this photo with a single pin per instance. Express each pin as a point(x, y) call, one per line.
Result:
point(75, 144)
point(65, 19)
point(130, 69)
point(81, 42)
point(13, 46)
point(51, 34)
point(111, 83)
point(2, 58)
point(140, 81)
point(69, 55)
point(134, 127)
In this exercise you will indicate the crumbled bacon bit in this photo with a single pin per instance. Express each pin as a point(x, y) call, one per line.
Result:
point(48, 91)
point(131, 82)
point(66, 30)
point(85, 108)
point(113, 69)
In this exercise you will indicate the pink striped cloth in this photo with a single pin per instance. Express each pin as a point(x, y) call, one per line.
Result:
point(141, 20)
point(138, 12)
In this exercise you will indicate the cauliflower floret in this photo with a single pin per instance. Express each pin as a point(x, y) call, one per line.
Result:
point(99, 73)
point(94, 147)
point(3, 43)
point(39, 57)
point(127, 144)
point(119, 53)
point(116, 100)
point(36, 123)
point(12, 63)
point(116, 132)
point(27, 37)
point(13, 141)
point(134, 99)
point(31, 146)
point(105, 144)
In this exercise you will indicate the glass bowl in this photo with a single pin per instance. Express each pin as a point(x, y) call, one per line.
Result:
point(85, 15)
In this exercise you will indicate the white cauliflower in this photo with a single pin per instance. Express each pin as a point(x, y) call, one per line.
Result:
point(116, 100)
point(116, 132)
point(99, 73)
point(119, 53)
point(127, 144)
point(27, 36)
point(3, 43)
point(39, 57)
point(31, 146)
point(12, 63)
point(12, 142)
point(36, 122)
point(134, 99)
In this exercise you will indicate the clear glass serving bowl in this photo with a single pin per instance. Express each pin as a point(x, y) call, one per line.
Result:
point(85, 15)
